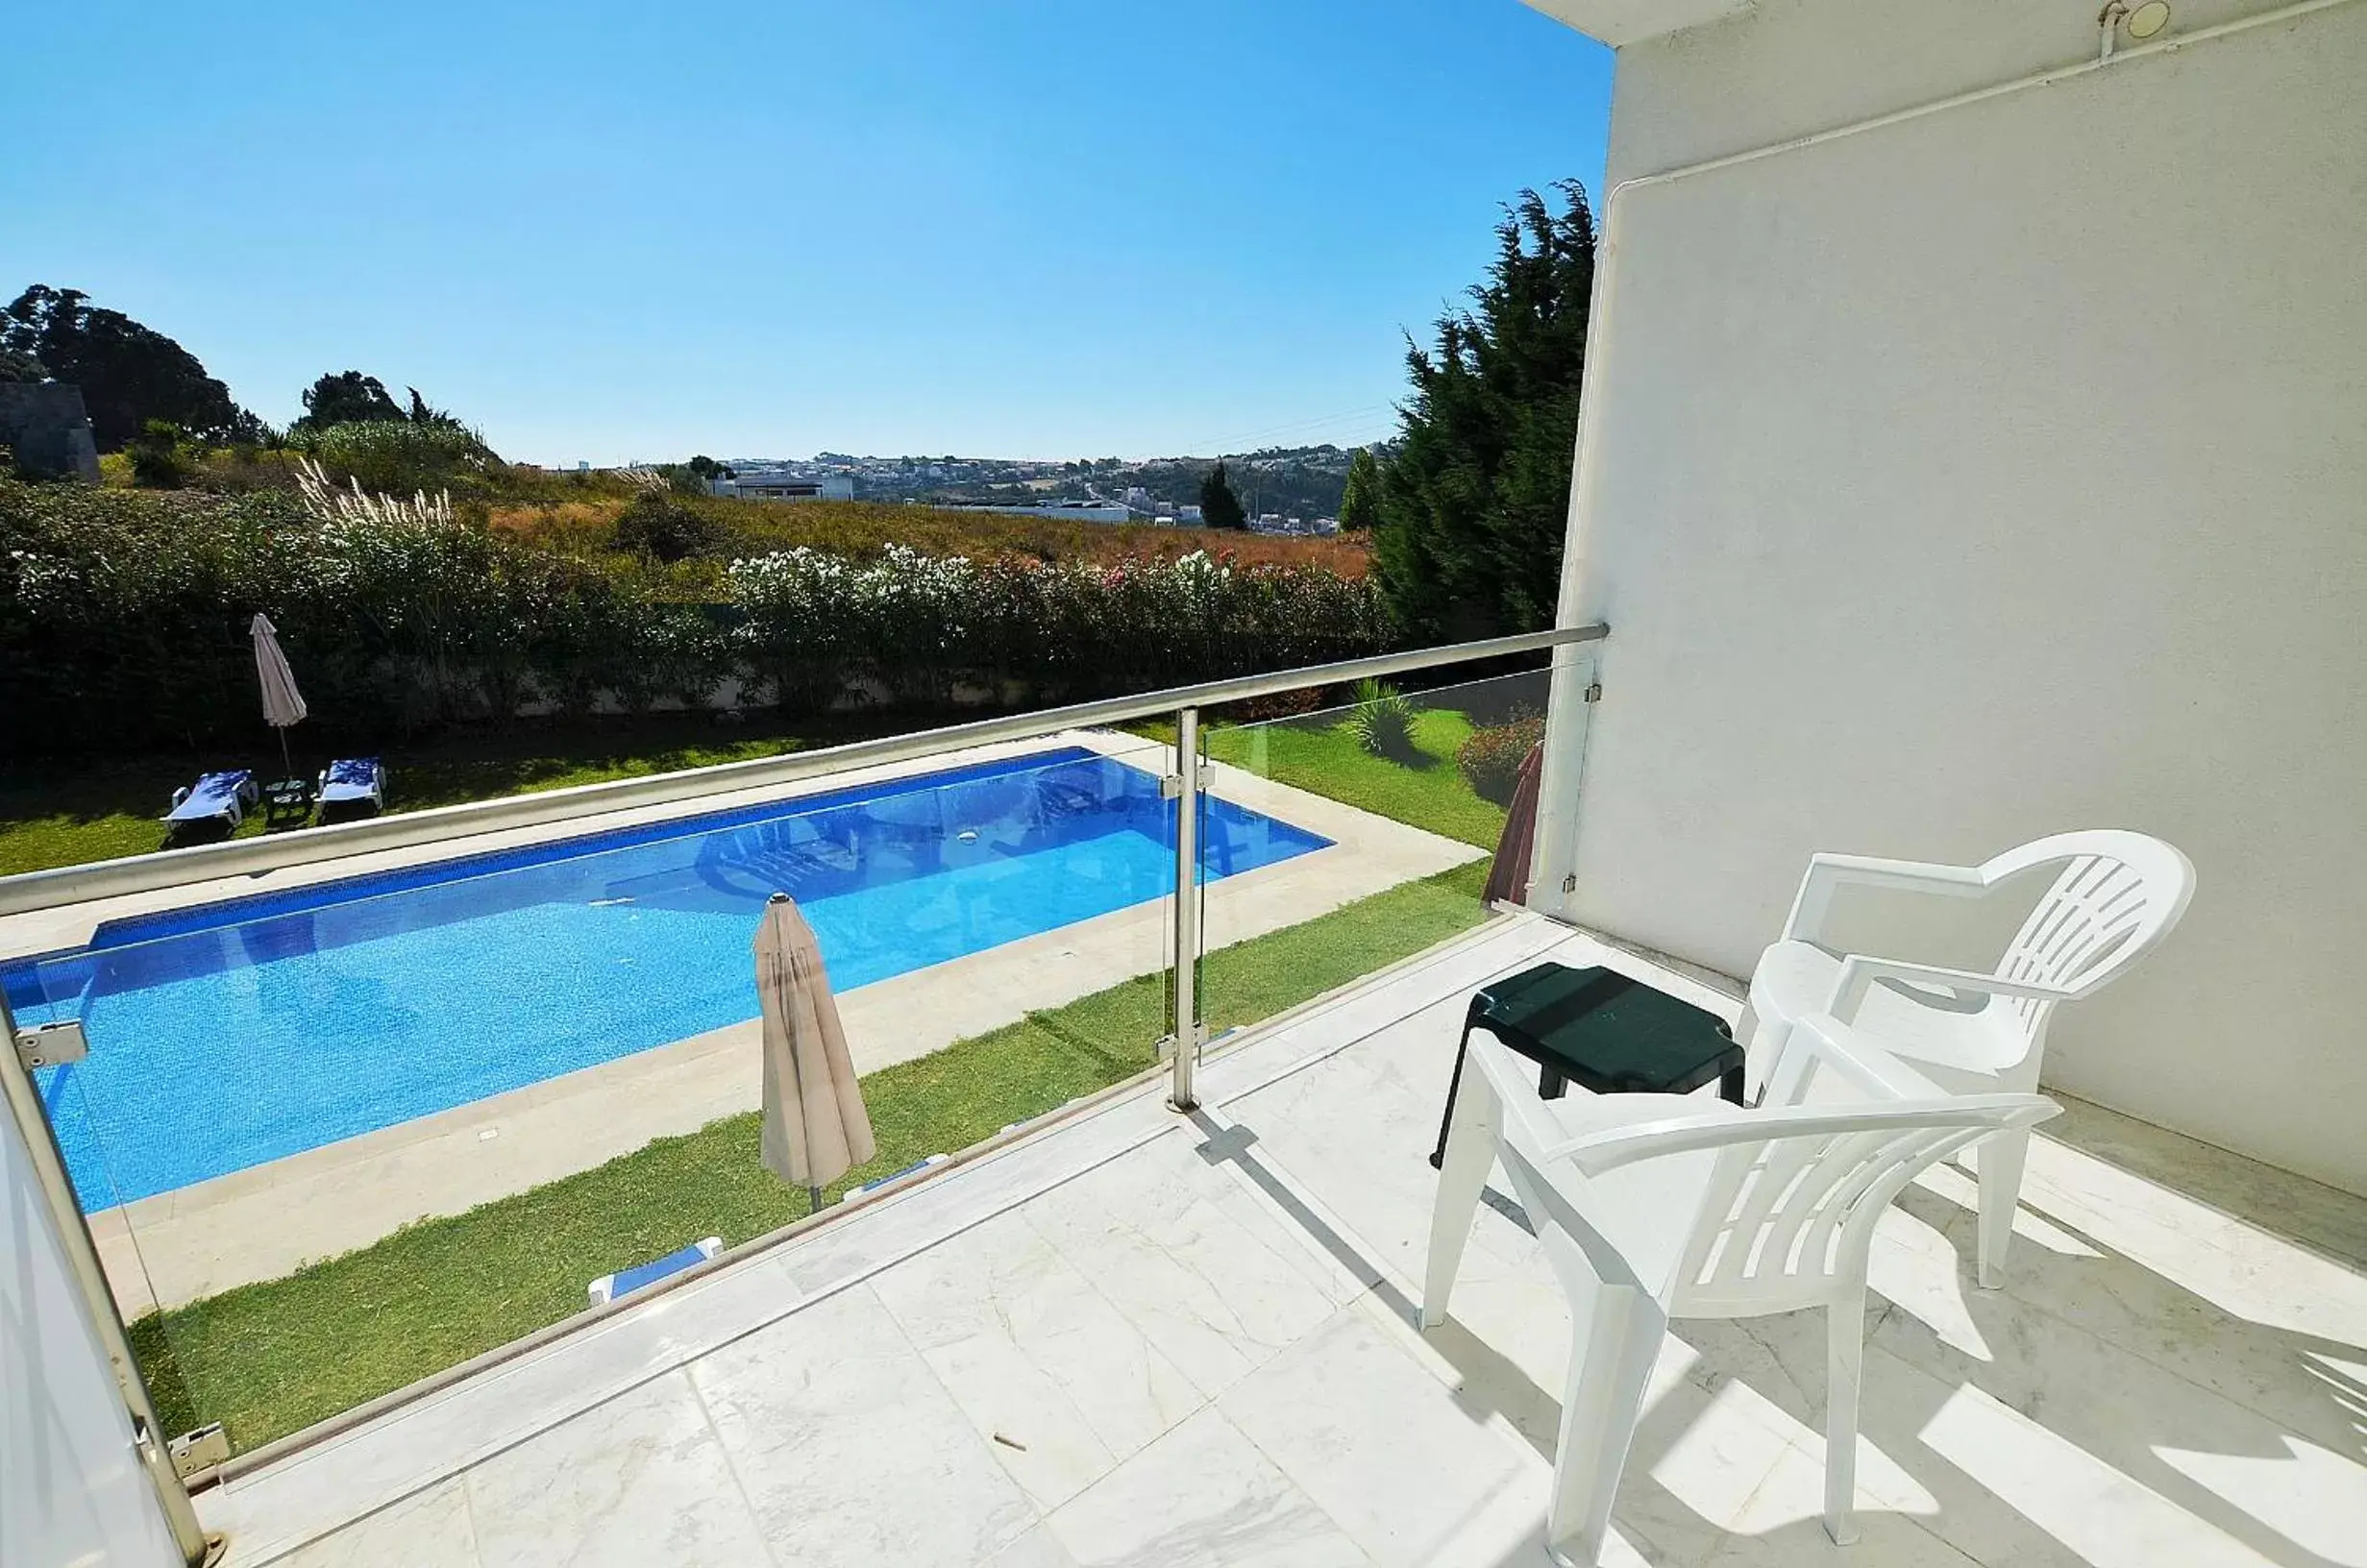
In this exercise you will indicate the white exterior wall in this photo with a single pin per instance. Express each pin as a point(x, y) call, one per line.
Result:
point(1988, 474)
point(72, 1492)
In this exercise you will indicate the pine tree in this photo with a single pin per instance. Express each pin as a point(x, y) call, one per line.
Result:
point(348, 398)
point(1474, 504)
point(1219, 508)
point(1359, 503)
point(129, 374)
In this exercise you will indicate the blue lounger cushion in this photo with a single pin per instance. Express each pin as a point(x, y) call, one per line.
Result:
point(625, 1281)
point(354, 778)
point(225, 796)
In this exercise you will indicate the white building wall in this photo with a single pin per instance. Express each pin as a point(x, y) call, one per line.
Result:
point(1988, 473)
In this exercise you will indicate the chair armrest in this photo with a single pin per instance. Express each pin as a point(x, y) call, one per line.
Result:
point(1859, 973)
point(1826, 875)
point(1824, 1042)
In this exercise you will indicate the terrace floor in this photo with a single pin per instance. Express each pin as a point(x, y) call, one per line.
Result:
point(1142, 1338)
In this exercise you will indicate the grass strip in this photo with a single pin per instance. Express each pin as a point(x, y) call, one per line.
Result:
point(1321, 756)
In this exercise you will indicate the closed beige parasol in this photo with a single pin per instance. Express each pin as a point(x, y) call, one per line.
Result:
point(283, 704)
point(815, 1127)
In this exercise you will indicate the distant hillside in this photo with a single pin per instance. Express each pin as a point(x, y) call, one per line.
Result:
point(1292, 481)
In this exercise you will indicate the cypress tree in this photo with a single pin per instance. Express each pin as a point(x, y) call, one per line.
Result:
point(1474, 504)
point(1219, 508)
point(1359, 503)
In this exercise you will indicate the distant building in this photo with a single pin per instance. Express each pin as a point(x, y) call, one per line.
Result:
point(49, 429)
point(1188, 516)
point(1067, 511)
point(785, 487)
point(1138, 501)
point(1274, 523)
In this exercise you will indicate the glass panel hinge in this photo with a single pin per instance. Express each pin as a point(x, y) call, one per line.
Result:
point(200, 1450)
point(52, 1045)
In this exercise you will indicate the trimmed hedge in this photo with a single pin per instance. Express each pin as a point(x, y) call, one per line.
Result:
point(123, 623)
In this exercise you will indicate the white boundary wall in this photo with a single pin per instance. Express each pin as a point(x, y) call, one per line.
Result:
point(1990, 472)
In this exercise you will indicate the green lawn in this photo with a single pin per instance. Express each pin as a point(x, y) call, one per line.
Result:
point(270, 1358)
point(1321, 754)
point(69, 813)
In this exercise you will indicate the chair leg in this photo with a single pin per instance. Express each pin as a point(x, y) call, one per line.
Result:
point(1845, 1362)
point(1617, 1337)
point(1471, 1153)
point(1998, 1160)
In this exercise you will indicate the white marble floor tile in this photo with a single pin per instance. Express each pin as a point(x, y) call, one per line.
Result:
point(2243, 1262)
point(1413, 1475)
point(1201, 1497)
point(431, 1529)
point(1052, 1375)
point(420, 1444)
point(1218, 1296)
point(2174, 1312)
point(1038, 1548)
point(641, 1479)
point(849, 1448)
point(2239, 1472)
point(2327, 1221)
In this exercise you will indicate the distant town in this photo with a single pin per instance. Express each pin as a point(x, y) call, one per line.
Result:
point(1287, 490)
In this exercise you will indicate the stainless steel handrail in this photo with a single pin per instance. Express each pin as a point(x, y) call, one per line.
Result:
point(249, 857)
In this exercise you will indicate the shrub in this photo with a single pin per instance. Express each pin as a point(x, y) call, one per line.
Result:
point(1490, 759)
point(1383, 720)
point(398, 456)
point(159, 459)
point(657, 526)
point(123, 619)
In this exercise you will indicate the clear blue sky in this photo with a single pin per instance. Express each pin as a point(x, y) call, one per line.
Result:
point(770, 227)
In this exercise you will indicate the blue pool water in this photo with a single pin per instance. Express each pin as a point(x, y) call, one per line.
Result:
point(236, 1033)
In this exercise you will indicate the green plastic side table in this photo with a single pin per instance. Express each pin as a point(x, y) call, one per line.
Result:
point(1603, 1031)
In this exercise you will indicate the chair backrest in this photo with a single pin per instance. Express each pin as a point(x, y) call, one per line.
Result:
point(1786, 1217)
point(2118, 894)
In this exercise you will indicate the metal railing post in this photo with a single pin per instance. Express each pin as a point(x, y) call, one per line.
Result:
point(24, 1106)
point(1183, 1092)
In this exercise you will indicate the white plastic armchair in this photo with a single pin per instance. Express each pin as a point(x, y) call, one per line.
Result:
point(1656, 1206)
point(2117, 895)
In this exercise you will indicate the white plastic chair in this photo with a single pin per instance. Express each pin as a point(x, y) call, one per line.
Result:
point(1659, 1206)
point(2118, 894)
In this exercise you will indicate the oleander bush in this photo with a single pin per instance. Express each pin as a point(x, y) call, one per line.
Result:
point(123, 620)
point(1490, 761)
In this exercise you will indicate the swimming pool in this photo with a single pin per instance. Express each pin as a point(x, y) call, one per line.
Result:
point(231, 1034)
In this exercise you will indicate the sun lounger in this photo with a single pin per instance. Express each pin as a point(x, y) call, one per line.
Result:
point(894, 1176)
point(609, 1286)
point(215, 799)
point(353, 787)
